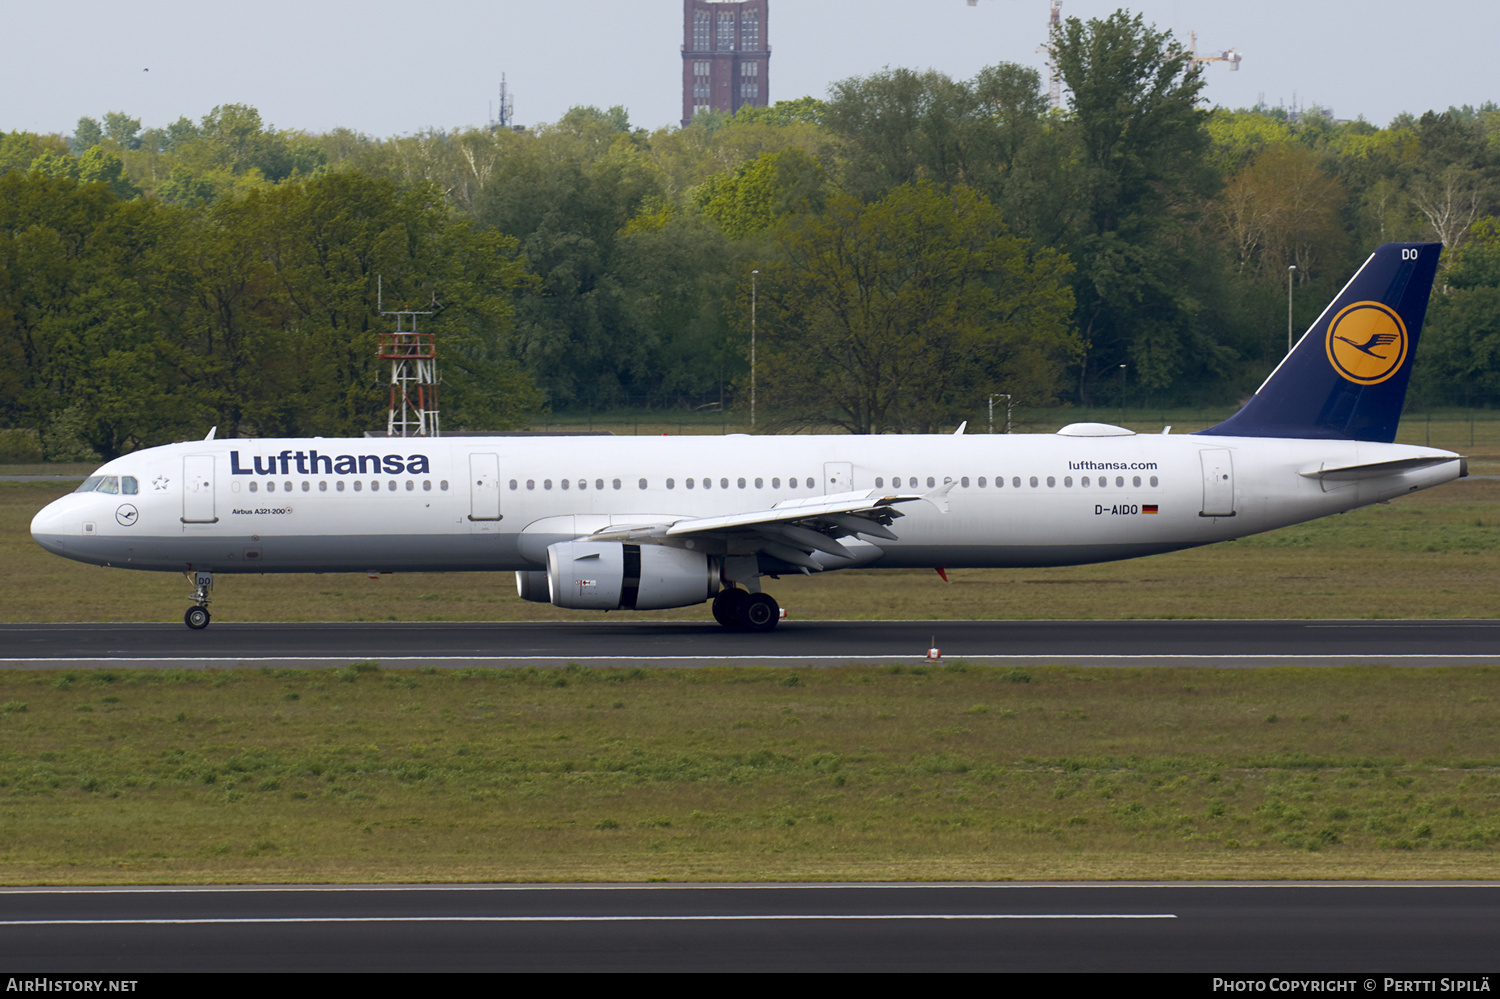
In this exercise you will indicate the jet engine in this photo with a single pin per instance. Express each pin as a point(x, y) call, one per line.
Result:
point(610, 575)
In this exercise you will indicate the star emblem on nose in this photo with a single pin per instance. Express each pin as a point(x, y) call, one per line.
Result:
point(160, 482)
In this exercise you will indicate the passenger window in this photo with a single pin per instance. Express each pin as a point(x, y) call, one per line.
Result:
point(546, 483)
point(879, 482)
point(323, 486)
point(643, 483)
point(306, 486)
point(981, 482)
point(513, 485)
point(775, 483)
point(1033, 482)
point(1085, 481)
point(1119, 481)
point(760, 483)
point(563, 483)
point(616, 484)
point(1067, 481)
point(690, 483)
point(531, 483)
point(410, 485)
point(374, 486)
point(254, 485)
point(809, 482)
point(443, 485)
point(427, 485)
point(724, 483)
point(931, 482)
point(358, 486)
point(270, 487)
point(599, 483)
point(964, 482)
point(338, 486)
point(671, 484)
point(742, 482)
point(1153, 482)
point(1051, 482)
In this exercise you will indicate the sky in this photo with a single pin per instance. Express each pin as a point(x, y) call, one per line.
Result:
point(384, 68)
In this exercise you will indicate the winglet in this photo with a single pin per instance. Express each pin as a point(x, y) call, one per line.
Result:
point(212, 430)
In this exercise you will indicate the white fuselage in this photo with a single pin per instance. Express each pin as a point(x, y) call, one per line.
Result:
point(463, 503)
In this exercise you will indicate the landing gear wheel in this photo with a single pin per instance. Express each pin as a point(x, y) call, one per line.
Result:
point(727, 605)
point(759, 612)
point(196, 618)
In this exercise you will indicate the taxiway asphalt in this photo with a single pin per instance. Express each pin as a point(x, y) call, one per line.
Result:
point(1228, 644)
point(1364, 930)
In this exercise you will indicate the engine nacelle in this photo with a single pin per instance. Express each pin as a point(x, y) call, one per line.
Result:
point(610, 575)
point(532, 585)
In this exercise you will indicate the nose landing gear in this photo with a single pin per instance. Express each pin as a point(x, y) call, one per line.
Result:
point(197, 616)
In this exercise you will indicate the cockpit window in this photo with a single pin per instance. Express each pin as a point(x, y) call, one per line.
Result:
point(108, 484)
point(129, 486)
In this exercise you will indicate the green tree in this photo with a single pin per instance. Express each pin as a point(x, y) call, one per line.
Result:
point(801, 111)
point(758, 193)
point(122, 129)
point(87, 134)
point(1460, 362)
point(898, 126)
point(1139, 179)
point(903, 314)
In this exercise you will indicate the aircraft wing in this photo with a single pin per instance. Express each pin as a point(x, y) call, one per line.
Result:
point(792, 530)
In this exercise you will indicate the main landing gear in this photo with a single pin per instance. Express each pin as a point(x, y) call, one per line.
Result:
point(734, 608)
point(197, 616)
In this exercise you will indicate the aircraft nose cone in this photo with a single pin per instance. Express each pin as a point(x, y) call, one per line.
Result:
point(52, 524)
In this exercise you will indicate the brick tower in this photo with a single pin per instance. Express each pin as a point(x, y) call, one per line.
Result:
point(725, 55)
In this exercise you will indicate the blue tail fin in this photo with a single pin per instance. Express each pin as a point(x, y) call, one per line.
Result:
point(1346, 378)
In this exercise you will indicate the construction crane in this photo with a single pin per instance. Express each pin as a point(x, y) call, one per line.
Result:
point(1231, 56)
point(1054, 77)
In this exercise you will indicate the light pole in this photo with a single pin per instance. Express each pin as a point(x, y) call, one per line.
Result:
point(753, 275)
point(1122, 394)
point(1289, 270)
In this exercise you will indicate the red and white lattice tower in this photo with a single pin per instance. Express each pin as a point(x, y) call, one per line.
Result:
point(414, 378)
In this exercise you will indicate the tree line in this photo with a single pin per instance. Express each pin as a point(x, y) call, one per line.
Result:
point(914, 243)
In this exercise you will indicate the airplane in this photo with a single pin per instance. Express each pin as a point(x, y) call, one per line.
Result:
point(607, 523)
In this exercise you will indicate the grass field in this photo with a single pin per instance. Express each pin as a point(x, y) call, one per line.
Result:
point(953, 772)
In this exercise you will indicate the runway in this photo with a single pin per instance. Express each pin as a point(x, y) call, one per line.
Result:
point(1215, 929)
point(1227, 644)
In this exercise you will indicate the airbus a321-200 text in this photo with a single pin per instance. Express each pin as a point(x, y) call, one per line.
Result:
point(610, 523)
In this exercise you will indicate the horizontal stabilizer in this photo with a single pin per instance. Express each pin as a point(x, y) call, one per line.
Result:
point(1376, 469)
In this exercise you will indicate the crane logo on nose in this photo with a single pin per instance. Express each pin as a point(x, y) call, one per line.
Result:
point(127, 515)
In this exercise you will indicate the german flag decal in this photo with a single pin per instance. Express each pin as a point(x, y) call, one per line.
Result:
point(1149, 508)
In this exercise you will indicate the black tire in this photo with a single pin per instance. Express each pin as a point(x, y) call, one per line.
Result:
point(727, 606)
point(760, 612)
point(196, 618)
